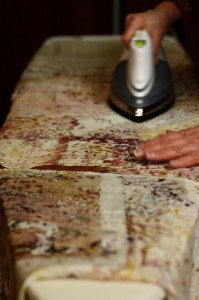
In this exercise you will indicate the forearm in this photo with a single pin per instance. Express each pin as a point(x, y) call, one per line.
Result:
point(169, 9)
point(181, 8)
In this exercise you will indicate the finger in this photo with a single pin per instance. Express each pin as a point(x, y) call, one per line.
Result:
point(133, 23)
point(191, 131)
point(168, 141)
point(184, 132)
point(172, 153)
point(188, 160)
point(165, 139)
point(181, 148)
point(157, 144)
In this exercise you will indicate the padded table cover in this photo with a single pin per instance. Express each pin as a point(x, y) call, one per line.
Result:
point(74, 200)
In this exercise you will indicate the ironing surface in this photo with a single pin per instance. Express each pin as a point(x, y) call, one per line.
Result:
point(92, 210)
point(141, 89)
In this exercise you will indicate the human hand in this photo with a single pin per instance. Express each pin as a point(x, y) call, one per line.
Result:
point(156, 22)
point(179, 148)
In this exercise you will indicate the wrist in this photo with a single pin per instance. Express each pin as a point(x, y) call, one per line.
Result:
point(170, 10)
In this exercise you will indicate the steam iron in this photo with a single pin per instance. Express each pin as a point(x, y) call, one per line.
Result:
point(140, 89)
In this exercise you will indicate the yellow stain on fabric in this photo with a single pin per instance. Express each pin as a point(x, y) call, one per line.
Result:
point(14, 152)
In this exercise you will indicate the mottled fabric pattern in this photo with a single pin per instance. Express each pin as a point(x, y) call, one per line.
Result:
point(74, 200)
point(104, 226)
point(60, 115)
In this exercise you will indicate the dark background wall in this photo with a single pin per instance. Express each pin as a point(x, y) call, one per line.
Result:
point(25, 24)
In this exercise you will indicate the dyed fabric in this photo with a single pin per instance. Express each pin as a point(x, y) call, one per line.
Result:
point(74, 200)
point(60, 115)
point(103, 227)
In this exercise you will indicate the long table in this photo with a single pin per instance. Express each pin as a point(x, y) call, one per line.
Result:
point(81, 217)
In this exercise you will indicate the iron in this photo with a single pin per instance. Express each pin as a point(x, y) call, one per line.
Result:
point(140, 89)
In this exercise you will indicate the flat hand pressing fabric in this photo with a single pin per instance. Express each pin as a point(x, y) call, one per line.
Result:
point(180, 148)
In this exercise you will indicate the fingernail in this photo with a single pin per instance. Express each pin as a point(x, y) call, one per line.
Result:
point(140, 146)
point(138, 152)
point(150, 155)
point(173, 163)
